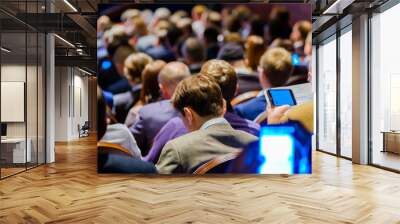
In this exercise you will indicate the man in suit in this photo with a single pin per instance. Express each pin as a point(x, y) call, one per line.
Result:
point(225, 76)
point(152, 117)
point(274, 71)
point(199, 100)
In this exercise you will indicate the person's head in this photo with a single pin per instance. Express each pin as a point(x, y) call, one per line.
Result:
point(214, 19)
point(134, 65)
point(210, 35)
point(197, 12)
point(101, 114)
point(185, 26)
point(254, 49)
point(103, 23)
point(286, 44)
point(279, 26)
point(178, 15)
point(224, 74)
point(162, 13)
point(275, 67)
point(193, 51)
point(137, 26)
point(257, 26)
point(233, 24)
point(114, 38)
point(308, 45)
point(199, 99)
point(242, 12)
point(120, 55)
point(129, 14)
point(233, 38)
point(231, 52)
point(279, 15)
point(169, 77)
point(300, 31)
point(150, 90)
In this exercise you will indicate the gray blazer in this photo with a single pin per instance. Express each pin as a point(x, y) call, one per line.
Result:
point(185, 153)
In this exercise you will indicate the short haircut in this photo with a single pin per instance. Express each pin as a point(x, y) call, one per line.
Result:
point(304, 28)
point(277, 65)
point(193, 49)
point(115, 37)
point(172, 73)
point(211, 34)
point(134, 65)
point(224, 74)
point(101, 114)
point(121, 53)
point(283, 43)
point(201, 93)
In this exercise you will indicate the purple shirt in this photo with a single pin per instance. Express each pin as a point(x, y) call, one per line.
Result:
point(175, 128)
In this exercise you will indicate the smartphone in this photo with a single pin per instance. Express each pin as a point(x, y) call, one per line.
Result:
point(280, 97)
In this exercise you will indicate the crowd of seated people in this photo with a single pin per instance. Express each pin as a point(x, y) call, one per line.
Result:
point(178, 88)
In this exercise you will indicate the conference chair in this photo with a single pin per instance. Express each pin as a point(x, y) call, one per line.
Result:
point(244, 97)
point(111, 148)
point(113, 158)
point(84, 129)
point(217, 165)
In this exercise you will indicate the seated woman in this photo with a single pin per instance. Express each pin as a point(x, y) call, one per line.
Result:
point(150, 91)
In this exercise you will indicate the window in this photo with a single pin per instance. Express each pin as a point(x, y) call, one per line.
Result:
point(385, 89)
point(346, 92)
point(327, 95)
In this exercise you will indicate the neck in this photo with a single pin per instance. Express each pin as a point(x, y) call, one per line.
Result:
point(203, 120)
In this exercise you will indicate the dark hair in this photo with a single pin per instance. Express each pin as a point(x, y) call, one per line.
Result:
point(254, 49)
point(279, 26)
point(193, 49)
point(211, 34)
point(201, 93)
point(233, 24)
point(257, 26)
point(101, 114)
point(122, 52)
point(150, 91)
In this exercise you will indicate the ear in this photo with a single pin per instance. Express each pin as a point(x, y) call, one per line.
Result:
point(188, 115)
point(224, 106)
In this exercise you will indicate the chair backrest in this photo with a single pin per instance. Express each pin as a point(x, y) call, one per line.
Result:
point(111, 148)
point(217, 165)
point(244, 97)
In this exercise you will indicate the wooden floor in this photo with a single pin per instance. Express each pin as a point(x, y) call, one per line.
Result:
point(70, 191)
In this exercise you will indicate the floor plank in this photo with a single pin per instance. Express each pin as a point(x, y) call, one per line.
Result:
point(70, 191)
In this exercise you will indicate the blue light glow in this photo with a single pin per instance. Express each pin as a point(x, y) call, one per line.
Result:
point(106, 65)
point(296, 59)
point(278, 151)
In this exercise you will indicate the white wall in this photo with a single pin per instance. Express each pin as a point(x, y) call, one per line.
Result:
point(71, 102)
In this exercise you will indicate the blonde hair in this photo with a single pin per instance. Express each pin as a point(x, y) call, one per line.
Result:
point(134, 65)
point(277, 65)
